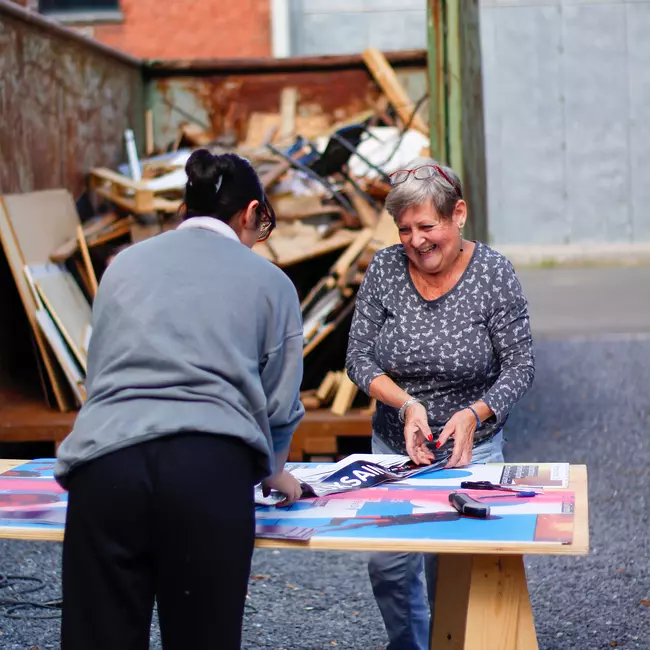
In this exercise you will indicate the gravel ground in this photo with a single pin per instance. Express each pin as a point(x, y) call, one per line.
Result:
point(589, 405)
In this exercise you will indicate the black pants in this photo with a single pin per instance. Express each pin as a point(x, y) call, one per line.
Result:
point(172, 520)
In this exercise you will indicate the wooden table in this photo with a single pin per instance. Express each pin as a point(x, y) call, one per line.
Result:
point(482, 600)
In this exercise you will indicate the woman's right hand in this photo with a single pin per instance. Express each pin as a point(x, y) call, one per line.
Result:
point(286, 483)
point(416, 434)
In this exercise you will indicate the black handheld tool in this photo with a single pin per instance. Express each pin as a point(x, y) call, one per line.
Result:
point(468, 506)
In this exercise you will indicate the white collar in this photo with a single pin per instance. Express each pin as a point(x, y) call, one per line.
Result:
point(209, 223)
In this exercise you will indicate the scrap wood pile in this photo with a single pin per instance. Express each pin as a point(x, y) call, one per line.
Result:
point(327, 183)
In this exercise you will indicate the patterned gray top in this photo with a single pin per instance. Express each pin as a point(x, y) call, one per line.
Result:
point(472, 343)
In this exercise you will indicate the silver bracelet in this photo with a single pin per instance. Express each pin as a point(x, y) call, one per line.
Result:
point(402, 411)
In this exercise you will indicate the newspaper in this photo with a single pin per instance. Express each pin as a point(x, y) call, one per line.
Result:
point(351, 473)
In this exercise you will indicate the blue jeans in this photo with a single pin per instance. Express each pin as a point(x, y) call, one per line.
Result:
point(397, 578)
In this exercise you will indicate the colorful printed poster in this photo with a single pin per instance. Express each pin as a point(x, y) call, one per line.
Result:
point(406, 512)
point(40, 468)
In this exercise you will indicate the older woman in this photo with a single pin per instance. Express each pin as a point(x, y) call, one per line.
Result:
point(441, 338)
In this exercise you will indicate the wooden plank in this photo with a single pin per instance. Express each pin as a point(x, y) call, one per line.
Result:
point(320, 445)
point(328, 385)
point(387, 80)
point(578, 482)
point(352, 252)
point(482, 603)
point(117, 179)
point(452, 597)
point(275, 174)
point(367, 214)
point(526, 634)
point(131, 195)
point(85, 255)
point(385, 234)
point(73, 373)
point(314, 317)
point(291, 250)
point(148, 137)
point(25, 418)
point(195, 135)
point(91, 228)
point(315, 211)
point(42, 222)
point(493, 605)
point(320, 336)
point(309, 400)
point(67, 305)
point(289, 203)
point(327, 329)
point(260, 125)
point(288, 109)
point(17, 263)
point(345, 395)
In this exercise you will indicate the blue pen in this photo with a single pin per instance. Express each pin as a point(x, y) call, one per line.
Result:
point(514, 493)
point(486, 485)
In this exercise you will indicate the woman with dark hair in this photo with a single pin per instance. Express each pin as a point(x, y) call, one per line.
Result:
point(194, 371)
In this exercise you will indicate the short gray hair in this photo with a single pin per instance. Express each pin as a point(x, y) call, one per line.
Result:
point(435, 191)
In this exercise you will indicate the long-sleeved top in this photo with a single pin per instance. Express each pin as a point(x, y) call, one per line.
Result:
point(192, 331)
point(473, 343)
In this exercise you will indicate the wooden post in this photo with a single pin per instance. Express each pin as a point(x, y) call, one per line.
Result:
point(473, 127)
point(437, 91)
point(456, 101)
point(454, 88)
point(482, 603)
point(148, 123)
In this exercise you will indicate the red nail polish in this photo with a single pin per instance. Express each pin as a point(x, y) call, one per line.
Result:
point(430, 438)
point(438, 444)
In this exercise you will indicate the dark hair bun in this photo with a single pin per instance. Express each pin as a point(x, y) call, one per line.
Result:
point(201, 168)
point(225, 164)
point(219, 186)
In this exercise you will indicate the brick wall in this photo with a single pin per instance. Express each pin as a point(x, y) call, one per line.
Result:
point(189, 29)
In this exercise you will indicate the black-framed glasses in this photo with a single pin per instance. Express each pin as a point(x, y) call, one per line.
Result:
point(421, 173)
point(267, 220)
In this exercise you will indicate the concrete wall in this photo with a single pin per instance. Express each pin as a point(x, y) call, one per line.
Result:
point(567, 113)
point(349, 26)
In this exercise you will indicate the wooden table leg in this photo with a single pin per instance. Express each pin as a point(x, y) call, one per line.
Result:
point(482, 603)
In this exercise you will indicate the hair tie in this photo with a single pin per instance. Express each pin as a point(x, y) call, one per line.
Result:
point(218, 184)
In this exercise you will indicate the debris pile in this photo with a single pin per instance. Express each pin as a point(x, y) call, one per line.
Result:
point(327, 184)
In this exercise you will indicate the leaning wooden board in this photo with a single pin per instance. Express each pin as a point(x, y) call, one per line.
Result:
point(17, 259)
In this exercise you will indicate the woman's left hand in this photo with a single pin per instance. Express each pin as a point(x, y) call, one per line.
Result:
point(461, 426)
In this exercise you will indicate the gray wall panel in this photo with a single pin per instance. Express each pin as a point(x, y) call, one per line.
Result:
point(524, 114)
point(596, 110)
point(321, 27)
point(329, 33)
point(638, 30)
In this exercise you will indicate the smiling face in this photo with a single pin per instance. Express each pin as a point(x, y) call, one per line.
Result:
point(431, 243)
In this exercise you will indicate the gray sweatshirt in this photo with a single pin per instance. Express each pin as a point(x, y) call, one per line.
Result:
point(473, 343)
point(192, 331)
